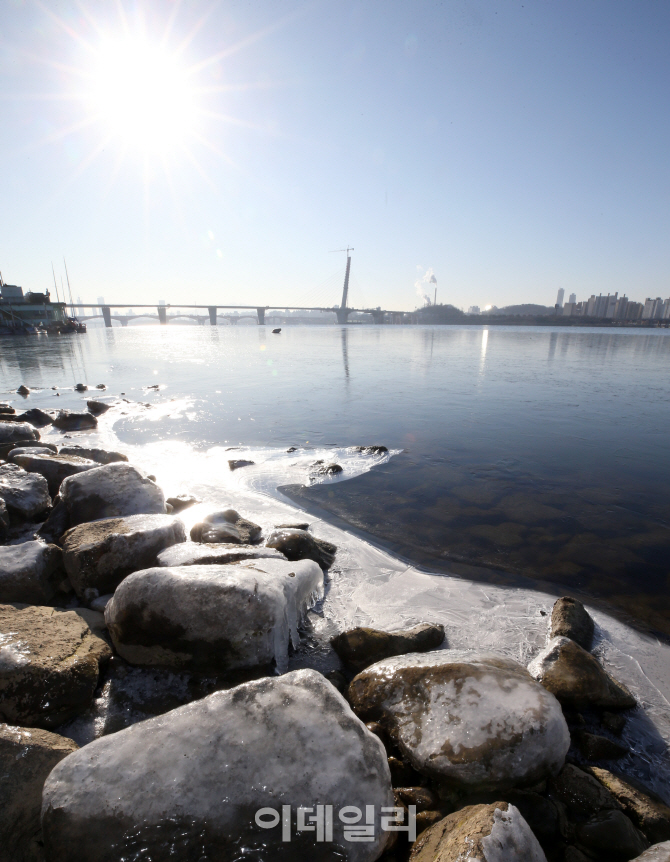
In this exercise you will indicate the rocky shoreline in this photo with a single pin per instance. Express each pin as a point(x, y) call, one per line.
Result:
point(408, 749)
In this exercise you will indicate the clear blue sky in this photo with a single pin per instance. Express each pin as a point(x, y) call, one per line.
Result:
point(511, 147)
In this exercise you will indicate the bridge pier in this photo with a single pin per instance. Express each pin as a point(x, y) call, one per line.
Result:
point(261, 316)
point(342, 314)
point(212, 315)
point(378, 316)
point(162, 314)
point(124, 321)
point(233, 321)
point(107, 316)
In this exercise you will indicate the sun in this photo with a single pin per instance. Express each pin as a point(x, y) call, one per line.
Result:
point(140, 93)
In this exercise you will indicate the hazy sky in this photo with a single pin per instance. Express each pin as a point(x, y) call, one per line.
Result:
point(217, 152)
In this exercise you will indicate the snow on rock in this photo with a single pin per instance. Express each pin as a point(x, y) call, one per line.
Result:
point(11, 431)
point(54, 468)
point(199, 774)
point(30, 572)
point(112, 491)
point(195, 553)
point(25, 494)
point(213, 617)
point(656, 853)
point(481, 833)
point(476, 719)
point(98, 555)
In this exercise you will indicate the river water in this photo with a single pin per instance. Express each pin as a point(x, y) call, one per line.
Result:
point(524, 463)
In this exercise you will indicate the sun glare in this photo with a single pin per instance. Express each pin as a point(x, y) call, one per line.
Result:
point(141, 95)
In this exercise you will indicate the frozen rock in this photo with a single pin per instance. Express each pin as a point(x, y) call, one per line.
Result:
point(15, 431)
point(25, 494)
point(48, 665)
point(227, 526)
point(477, 720)
point(218, 618)
point(648, 813)
point(301, 545)
point(6, 448)
point(99, 554)
point(36, 417)
point(27, 756)
point(656, 853)
point(611, 834)
point(197, 554)
point(100, 456)
point(240, 462)
point(482, 833)
point(361, 647)
point(54, 468)
point(181, 502)
point(581, 793)
point(30, 572)
point(97, 408)
point(198, 776)
point(570, 619)
point(112, 491)
point(576, 678)
point(30, 450)
point(67, 420)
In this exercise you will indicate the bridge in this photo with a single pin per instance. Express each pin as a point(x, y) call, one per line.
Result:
point(165, 313)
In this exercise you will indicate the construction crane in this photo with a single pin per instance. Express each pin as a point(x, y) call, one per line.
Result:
point(345, 292)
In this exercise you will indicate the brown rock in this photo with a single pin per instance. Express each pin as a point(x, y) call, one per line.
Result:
point(656, 853)
point(424, 799)
point(649, 814)
point(581, 793)
point(361, 647)
point(100, 456)
point(301, 545)
point(570, 619)
point(97, 408)
point(68, 420)
point(594, 747)
point(225, 527)
point(611, 833)
point(27, 756)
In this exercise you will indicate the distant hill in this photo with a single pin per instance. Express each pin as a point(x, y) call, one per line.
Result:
point(527, 308)
point(440, 313)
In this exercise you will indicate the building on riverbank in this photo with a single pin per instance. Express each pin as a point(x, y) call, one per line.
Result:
point(24, 312)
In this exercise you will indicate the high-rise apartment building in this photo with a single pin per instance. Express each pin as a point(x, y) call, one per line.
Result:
point(573, 299)
point(559, 298)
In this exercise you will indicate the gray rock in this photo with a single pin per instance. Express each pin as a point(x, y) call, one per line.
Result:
point(98, 555)
point(570, 619)
point(26, 495)
point(240, 462)
point(54, 468)
point(213, 618)
point(327, 469)
point(577, 679)
point(485, 833)
point(301, 545)
point(23, 390)
point(11, 432)
point(30, 450)
point(656, 853)
point(226, 526)
point(81, 387)
point(197, 554)
point(4, 518)
point(361, 647)
point(30, 572)
point(370, 450)
point(6, 448)
point(181, 502)
point(648, 813)
point(7, 410)
point(48, 665)
point(476, 720)
point(188, 784)
point(97, 408)
point(27, 756)
point(100, 603)
point(613, 834)
point(112, 491)
point(67, 420)
point(100, 456)
point(36, 417)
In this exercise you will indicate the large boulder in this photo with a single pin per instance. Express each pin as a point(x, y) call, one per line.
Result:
point(7, 448)
point(301, 545)
point(54, 468)
point(196, 782)
point(27, 756)
point(475, 720)
point(30, 450)
point(612, 835)
point(100, 456)
point(656, 853)
point(576, 677)
point(570, 619)
point(30, 572)
point(361, 647)
point(198, 554)
point(68, 420)
point(214, 618)
point(227, 527)
point(581, 793)
point(26, 495)
point(649, 814)
point(112, 491)
point(49, 662)
point(482, 833)
point(36, 417)
point(98, 555)
point(11, 432)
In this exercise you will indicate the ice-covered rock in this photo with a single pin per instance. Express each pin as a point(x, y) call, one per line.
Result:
point(181, 502)
point(576, 677)
point(111, 491)
point(30, 450)
point(27, 756)
point(570, 619)
point(30, 572)
point(100, 456)
point(195, 779)
point(648, 813)
point(15, 431)
point(301, 545)
point(54, 468)
point(227, 526)
point(656, 853)
point(68, 420)
point(361, 647)
point(474, 719)
point(481, 833)
point(26, 495)
point(99, 554)
point(48, 665)
point(28, 445)
point(217, 618)
point(197, 554)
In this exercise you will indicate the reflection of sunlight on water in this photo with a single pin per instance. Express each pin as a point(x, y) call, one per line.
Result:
point(482, 352)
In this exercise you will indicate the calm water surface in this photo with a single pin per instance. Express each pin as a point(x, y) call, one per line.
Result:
point(527, 451)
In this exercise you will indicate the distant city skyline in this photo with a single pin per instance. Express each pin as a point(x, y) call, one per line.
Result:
point(223, 151)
